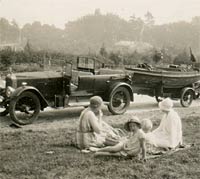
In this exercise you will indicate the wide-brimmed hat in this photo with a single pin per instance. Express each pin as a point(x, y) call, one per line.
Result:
point(96, 101)
point(166, 104)
point(134, 119)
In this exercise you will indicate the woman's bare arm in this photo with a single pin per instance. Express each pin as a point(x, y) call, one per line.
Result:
point(143, 147)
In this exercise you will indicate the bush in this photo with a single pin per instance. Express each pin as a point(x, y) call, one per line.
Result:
point(182, 58)
point(29, 61)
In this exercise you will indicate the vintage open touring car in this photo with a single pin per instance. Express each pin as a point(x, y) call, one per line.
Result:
point(26, 94)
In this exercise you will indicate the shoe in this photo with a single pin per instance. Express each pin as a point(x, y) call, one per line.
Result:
point(94, 149)
point(85, 151)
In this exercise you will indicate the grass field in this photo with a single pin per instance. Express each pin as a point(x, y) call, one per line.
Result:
point(49, 153)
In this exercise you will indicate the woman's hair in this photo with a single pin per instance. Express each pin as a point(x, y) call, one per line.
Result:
point(147, 125)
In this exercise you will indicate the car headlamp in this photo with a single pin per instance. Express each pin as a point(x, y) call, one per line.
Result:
point(9, 91)
point(24, 83)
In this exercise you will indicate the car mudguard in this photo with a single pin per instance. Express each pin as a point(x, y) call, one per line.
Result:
point(187, 88)
point(116, 85)
point(32, 89)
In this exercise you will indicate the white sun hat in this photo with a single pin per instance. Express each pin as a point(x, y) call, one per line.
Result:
point(134, 119)
point(166, 104)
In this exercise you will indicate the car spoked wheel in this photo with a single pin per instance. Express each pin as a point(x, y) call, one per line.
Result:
point(25, 108)
point(119, 101)
point(187, 97)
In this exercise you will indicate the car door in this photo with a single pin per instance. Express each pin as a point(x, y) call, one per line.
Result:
point(67, 76)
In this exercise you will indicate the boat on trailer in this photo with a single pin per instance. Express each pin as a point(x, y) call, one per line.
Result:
point(176, 83)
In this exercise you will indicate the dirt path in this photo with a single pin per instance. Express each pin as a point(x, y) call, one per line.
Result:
point(52, 119)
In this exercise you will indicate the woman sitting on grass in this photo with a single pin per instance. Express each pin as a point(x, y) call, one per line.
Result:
point(92, 130)
point(129, 147)
point(168, 135)
point(88, 124)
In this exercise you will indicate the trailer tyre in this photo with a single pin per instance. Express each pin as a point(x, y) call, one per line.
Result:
point(187, 96)
point(158, 98)
point(25, 108)
point(119, 101)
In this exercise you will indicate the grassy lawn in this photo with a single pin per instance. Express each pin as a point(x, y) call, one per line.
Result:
point(50, 154)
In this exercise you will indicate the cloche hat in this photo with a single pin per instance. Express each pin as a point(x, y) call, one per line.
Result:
point(96, 101)
point(166, 104)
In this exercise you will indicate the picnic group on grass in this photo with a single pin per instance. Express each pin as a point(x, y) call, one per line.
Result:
point(95, 135)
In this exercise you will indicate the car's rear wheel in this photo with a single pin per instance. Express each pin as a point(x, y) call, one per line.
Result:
point(25, 108)
point(119, 101)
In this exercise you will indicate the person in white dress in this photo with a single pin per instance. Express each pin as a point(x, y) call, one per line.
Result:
point(169, 133)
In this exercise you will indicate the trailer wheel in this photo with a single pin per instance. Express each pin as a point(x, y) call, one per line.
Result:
point(119, 101)
point(187, 96)
point(158, 98)
point(25, 108)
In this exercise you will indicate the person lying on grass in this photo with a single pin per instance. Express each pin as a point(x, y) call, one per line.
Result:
point(168, 135)
point(132, 146)
point(92, 130)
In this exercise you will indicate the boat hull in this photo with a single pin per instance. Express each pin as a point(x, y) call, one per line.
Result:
point(166, 79)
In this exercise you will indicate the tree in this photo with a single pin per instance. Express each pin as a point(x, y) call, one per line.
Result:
point(149, 19)
point(182, 58)
point(97, 12)
point(103, 51)
point(7, 57)
point(157, 57)
point(137, 26)
point(27, 47)
point(116, 58)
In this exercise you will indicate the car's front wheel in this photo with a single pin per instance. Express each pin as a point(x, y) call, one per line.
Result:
point(119, 101)
point(25, 108)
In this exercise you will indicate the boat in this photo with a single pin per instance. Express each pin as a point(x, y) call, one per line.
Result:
point(176, 83)
point(165, 76)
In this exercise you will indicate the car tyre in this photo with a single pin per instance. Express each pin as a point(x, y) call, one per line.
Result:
point(187, 96)
point(25, 108)
point(119, 101)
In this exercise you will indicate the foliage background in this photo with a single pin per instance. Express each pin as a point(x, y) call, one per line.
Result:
point(131, 41)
